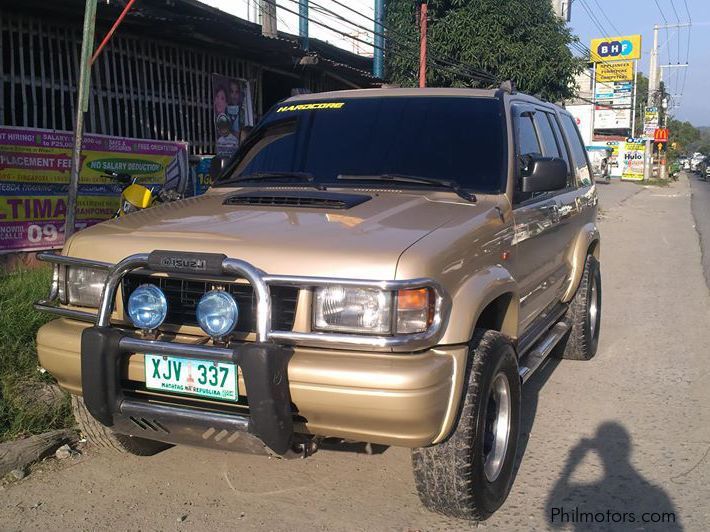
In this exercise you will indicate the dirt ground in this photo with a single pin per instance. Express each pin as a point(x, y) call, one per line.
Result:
point(626, 433)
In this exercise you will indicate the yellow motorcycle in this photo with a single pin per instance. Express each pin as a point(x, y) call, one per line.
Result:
point(136, 197)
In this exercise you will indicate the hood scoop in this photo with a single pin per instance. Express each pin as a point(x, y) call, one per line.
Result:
point(297, 198)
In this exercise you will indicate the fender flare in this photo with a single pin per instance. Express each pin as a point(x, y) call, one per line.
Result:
point(473, 295)
point(587, 238)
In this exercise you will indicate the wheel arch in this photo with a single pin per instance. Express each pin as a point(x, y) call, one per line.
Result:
point(489, 299)
point(587, 242)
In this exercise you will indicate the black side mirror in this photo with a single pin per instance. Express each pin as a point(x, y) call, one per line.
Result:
point(217, 164)
point(543, 174)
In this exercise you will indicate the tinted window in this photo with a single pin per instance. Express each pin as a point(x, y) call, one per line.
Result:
point(558, 134)
point(526, 136)
point(549, 143)
point(460, 139)
point(575, 142)
point(579, 153)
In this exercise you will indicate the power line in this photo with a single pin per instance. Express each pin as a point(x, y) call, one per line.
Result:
point(433, 52)
point(594, 19)
point(613, 27)
point(454, 70)
point(409, 45)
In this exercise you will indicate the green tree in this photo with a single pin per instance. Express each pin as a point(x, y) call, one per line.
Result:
point(683, 135)
point(520, 40)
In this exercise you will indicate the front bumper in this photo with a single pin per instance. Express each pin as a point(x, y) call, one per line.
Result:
point(407, 400)
point(380, 389)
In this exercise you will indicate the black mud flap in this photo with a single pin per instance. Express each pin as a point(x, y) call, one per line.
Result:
point(265, 370)
point(101, 372)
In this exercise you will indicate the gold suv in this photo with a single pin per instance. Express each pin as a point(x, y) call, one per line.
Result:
point(386, 266)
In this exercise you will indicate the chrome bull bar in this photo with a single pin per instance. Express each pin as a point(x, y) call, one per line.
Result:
point(233, 269)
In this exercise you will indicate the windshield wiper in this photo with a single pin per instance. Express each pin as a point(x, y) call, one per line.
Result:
point(403, 178)
point(276, 176)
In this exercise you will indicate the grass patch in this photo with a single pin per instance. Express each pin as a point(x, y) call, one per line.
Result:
point(24, 409)
point(654, 183)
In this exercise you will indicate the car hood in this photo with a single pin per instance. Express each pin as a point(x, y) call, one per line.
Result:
point(362, 242)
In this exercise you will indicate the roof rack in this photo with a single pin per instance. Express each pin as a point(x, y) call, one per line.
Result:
point(508, 86)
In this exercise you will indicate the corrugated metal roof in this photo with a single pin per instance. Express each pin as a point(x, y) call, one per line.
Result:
point(191, 21)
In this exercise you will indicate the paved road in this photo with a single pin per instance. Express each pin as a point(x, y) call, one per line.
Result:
point(627, 432)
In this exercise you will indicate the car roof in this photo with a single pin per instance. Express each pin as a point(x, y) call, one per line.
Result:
point(388, 92)
point(418, 92)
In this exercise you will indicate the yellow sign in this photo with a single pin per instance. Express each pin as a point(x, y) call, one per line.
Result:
point(310, 106)
point(633, 161)
point(614, 71)
point(616, 48)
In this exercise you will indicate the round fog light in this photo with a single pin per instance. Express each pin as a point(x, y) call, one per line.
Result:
point(217, 313)
point(147, 307)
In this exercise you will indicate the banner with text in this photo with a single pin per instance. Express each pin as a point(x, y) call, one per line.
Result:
point(35, 165)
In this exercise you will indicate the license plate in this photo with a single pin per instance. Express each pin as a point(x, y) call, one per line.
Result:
point(216, 380)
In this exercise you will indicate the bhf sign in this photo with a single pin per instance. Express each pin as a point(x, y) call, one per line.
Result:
point(616, 48)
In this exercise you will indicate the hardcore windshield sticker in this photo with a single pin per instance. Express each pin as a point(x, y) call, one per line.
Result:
point(310, 106)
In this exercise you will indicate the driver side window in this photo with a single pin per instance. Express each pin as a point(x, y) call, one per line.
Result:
point(526, 136)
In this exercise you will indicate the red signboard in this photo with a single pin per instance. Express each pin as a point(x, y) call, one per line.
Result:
point(660, 135)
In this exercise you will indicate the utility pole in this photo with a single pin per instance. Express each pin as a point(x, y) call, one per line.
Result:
point(303, 23)
point(653, 88)
point(268, 18)
point(378, 59)
point(82, 106)
point(654, 91)
point(422, 43)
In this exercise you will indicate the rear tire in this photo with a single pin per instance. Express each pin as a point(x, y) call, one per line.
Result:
point(584, 316)
point(102, 437)
point(469, 475)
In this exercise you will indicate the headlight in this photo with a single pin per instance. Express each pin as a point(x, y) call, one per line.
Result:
point(359, 310)
point(147, 307)
point(81, 286)
point(217, 313)
point(369, 310)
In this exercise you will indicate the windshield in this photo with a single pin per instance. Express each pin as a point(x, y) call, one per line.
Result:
point(450, 138)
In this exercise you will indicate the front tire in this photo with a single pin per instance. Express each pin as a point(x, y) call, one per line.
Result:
point(104, 438)
point(469, 475)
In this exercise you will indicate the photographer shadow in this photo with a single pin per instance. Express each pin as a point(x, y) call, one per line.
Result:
point(622, 490)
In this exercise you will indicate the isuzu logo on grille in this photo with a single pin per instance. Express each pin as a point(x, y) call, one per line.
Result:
point(184, 263)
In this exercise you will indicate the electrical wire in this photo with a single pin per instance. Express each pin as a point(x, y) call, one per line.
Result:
point(613, 27)
point(454, 71)
point(432, 52)
point(594, 19)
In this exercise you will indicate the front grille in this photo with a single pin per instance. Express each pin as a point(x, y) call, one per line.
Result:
point(184, 294)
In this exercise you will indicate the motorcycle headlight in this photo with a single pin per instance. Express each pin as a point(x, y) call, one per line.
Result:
point(372, 311)
point(80, 286)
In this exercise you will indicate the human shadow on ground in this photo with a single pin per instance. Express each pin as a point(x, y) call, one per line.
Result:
point(621, 498)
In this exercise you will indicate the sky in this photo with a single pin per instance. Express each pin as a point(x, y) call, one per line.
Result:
point(613, 18)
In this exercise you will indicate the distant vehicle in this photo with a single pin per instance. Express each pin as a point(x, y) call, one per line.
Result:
point(698, 163)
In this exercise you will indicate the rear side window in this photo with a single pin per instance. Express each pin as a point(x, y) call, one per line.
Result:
point(579, 154)
point(549, 142)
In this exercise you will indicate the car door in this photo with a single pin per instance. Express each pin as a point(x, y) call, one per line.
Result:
point(538, 249)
